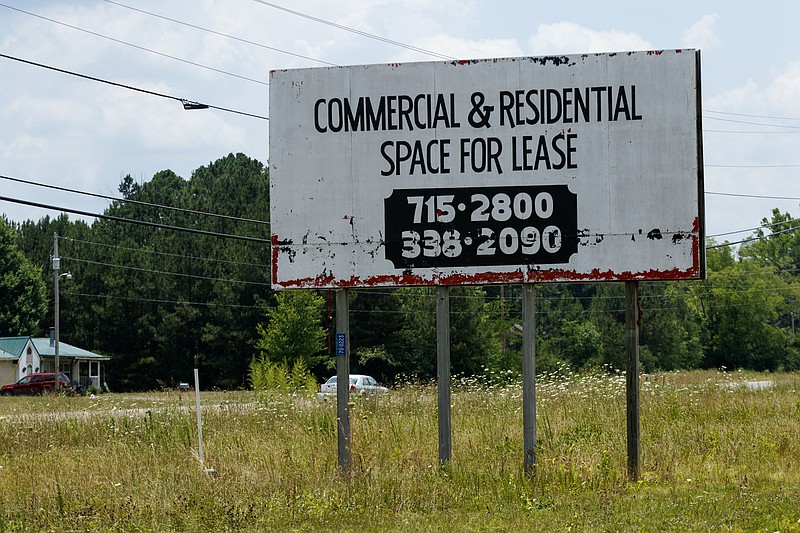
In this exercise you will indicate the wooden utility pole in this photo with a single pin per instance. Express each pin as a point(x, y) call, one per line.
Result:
point(56, 314)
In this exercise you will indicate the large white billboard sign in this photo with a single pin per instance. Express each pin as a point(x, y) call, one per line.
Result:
point(568, 168)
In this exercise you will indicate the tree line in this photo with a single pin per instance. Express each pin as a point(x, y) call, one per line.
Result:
point(162, 302)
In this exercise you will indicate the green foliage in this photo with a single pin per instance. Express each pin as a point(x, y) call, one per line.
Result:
point(504, 345)
point(741, 305)
point(580, 344)
point(293, 331)
point(269, 376)
point(23, 297)
point(470, 340)
point(671, 327)
point(781, 250)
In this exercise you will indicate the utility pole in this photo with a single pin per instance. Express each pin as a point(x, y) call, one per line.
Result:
point(56, 275)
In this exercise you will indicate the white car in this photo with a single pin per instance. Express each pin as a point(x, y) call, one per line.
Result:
point(359, 384)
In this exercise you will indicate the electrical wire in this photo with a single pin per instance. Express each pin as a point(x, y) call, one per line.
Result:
point(764, 226)
point(743, 241)
point(754, 196)
point(792, 165)
point(177, 302)
point(750, 131)
point(44, 206)
point(771, 117)
point(132, 221)
point(187, 104)
point(176, 21)
point(357, 32)
point(165, 254)
point(752, 123)
point(136, 202)
point(152, 271)
point(220, 71)
point(240, 219)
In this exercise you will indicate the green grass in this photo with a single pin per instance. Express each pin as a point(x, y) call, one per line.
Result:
point(714, 458)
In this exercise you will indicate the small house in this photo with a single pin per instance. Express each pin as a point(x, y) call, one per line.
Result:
point(20, 356)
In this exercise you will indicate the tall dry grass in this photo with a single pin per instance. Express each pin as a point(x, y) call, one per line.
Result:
point(714, 455)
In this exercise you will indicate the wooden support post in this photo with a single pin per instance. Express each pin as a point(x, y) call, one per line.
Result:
point(343, 380)
point(443, 372)
point(632, 322)
point(529, 376)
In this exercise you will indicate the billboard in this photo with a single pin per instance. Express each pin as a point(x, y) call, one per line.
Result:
point(514, 170)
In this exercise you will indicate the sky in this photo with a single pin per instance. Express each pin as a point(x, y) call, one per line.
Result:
point(58, 129)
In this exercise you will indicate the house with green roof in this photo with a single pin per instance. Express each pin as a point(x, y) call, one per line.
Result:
point(20, 356)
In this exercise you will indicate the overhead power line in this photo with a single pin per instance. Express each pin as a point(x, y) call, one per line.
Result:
point(221, 34)
point(763, 226)
point(164, 254)
point(136, 46)
point(132, 221)
point(187, 104)
point(754, 196)
point(771, 117)
point(754, 132)
point(176, 302)
point(753, 123)
point(743, 241)
point(136, 202)
point(357, 32)
point(240, 219)
point(792, 165)
point(165, 272)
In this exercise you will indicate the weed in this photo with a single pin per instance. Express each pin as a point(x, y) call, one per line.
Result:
point(714, 456)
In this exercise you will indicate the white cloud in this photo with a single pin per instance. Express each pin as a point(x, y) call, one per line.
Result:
point(784, 92)
point(701, 34)
point(568, 37)
point(780, 97)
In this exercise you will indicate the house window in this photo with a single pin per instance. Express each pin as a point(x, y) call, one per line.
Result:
point(29, 350)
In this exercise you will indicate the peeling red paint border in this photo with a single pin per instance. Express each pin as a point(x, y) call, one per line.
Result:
point(275, 253)
point(489, 278)
point(523, 275)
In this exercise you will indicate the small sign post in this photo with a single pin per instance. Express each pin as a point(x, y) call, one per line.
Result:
point(343, 380)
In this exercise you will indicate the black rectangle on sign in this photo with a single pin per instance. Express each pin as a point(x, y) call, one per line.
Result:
point(481, 226)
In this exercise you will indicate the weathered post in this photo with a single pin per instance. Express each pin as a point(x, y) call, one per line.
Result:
point(343, 379)
point(443, 371)
point(529, 376)
point(632, 322)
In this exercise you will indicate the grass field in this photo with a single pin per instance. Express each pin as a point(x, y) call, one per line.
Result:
point(715, 454)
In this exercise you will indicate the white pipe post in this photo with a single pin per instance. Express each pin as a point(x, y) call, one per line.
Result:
point(199, 420)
